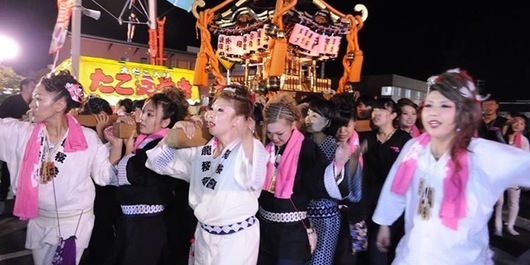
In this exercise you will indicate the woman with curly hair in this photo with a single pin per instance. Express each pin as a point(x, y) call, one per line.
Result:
point(297, 172)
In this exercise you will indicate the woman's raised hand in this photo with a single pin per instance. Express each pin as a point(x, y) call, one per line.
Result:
point(102, 120)
point(111, 138)
point(188, 127)
point(126, 119)
point(342, 154)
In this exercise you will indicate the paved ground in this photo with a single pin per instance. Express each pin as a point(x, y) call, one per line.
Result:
point(509, 250)
point(515, 249)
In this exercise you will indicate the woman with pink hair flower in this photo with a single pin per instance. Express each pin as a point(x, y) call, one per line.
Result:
point(446, 181)
point(54, 162)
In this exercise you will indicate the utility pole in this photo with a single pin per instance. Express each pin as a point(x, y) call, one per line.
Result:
point(76, 37)
point(152, 32)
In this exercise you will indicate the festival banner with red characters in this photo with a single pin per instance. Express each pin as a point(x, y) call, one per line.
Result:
point(115, 80)
point(64, 13)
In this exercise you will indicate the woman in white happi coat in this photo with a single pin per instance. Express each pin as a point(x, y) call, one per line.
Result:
point(447, 181)
point(225, 178)
point(53, 161)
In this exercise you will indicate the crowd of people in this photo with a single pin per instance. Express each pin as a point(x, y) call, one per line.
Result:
point(318, 181)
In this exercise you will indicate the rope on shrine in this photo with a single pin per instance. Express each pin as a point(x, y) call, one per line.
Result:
point(353, 58)
point(206, 58)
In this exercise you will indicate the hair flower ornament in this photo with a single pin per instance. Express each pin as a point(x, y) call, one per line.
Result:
point(467, 91)
point(76, 92)
point(230, 89)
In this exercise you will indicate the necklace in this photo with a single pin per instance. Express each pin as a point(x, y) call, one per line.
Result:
point(426, 193)
point(277, 159)
point(386, 138)
point(48, 170)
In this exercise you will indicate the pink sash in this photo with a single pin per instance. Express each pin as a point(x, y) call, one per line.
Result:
point(156, 135)
point(27, 199)
point(286, 167)
point(454, 198)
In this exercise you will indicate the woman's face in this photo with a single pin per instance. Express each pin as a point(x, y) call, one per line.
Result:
point(220, 119)
point(314, 122)
point(151, 119)
point(280, 131)
point(42, 106)
point(120, 110)
point(345, 132)
point(137, 113)
point(408, 116)
point(363, 111)
point(518, 124)
point(439, 116)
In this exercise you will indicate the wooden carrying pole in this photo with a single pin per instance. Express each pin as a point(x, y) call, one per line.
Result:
point(177, 138)
point(90, 120)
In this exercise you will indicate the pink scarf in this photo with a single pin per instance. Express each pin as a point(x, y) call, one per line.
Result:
point(27, 199)
point(354, 144)
point(142, 137)
point(286, 168)
point(517, 140)
point(454, 199)
point(414, 131)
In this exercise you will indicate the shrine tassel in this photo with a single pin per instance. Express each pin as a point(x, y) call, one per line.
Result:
point(278, 46)
point(279, 53)
point(201, 75)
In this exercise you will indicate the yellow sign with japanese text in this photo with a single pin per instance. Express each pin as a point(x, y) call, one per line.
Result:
point(115, 80)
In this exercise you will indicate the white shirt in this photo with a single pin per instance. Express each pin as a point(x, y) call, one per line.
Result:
point(493, 167)
point(237, 187)
point(74, 184)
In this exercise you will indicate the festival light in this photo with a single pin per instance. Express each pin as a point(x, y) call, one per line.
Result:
point(8, 48)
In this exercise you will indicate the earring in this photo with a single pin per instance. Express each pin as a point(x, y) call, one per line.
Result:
point(458, 129)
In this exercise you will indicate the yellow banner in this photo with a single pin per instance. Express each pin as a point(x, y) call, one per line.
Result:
point(114, 80)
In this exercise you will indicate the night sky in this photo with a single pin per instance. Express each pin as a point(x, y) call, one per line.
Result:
point(415, 40)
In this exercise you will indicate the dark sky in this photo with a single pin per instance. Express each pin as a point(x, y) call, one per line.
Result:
point(415, 40)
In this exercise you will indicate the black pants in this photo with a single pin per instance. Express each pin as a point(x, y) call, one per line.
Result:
point(343, 252)
point(376, 257)
point(5, 181)
point(107, 211)
point(140, 240)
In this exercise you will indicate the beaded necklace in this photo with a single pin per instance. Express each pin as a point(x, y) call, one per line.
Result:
point(48, 170)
